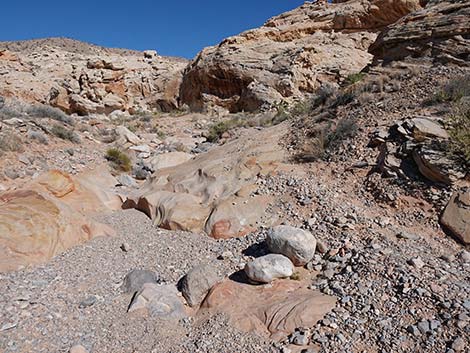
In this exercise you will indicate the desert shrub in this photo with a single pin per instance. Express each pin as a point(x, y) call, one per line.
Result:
point(38, 136)
point(218, 129)
point(355, 78)
point(119, 160)
point(343, 98)
point(452, 91)
point(324, 93)
point(325, 140)
point(345, 129)
point(46, 111)
point(459, 130)
point(10, 142)
point(10, 111)
point(64, 133)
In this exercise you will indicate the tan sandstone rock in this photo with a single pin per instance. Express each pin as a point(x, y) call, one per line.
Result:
point(290, 56)
point(211, 191)
point(441, 31)
point(456, 216)
point(82, 78)
point(49, 215)
point(273, 311)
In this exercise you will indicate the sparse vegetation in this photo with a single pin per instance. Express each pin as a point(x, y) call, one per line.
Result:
point(38, 136)
point(119, 160)
point(452, 91)
point(459, 130)
point(64, 133)
point(46, 111)
point(354, 78)
point(10, 142)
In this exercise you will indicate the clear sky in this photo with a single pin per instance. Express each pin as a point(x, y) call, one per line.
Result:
point(179, 28)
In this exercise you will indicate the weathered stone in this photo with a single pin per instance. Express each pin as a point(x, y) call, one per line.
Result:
point(59, 205)
point(297, 244)
point(127, 135)
point(456, 216)
point(78, 349)
point(171, 159)
point(267, 268)
point(290, 56)
point(441, 32)
point(274, 311)
point(135, 280)
point(197, 283)
point(160, 301)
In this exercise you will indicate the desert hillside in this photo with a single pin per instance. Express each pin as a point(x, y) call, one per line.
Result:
point(300, 187)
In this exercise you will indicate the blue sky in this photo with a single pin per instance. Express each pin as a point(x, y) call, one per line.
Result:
point(179, 28)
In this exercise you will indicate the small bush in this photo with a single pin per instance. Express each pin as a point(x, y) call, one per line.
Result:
point(119, 160)
point(355, 78)
point(10, 142)
point(452, 91)
point(64, 133)
point(459, 130)
point(46, 111)
point(345, 129)
point(38, 136)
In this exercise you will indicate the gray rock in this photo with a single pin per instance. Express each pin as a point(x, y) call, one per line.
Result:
point(416, 262)
point(127, 180)
point(297, 244)
point(197, 283)
point(87, 302)
point(269, 267)
point(424, 327)
point(135, 279)
point(160, 301)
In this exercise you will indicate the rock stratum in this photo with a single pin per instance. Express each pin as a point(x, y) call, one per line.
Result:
point(85, 79)
point(50, 215)
point(439, 32)
point(290, 56)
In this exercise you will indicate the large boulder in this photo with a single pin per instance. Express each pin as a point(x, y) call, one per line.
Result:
point(196, 283)
point(441, 32)
point(290, 56)
point(135, 280)
point(456, 216)
point(159, 301)
point(273, 311)
point(267, 268)
point(50, 215)
point(297, 244)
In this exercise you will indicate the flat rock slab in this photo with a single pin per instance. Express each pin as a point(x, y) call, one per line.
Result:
point(456, 216)
point(160, 301)
point(272, 311)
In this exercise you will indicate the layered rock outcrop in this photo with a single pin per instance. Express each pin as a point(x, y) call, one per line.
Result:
point(213, 192)
point(49, 215)
point(290, 56)
point(441, 32)
point(82, 78)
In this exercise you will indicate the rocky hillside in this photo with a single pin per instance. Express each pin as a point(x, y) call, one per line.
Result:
point(290, 56)
point(337, 221)
point(86, 79)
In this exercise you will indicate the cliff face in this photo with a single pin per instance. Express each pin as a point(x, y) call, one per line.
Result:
point(291, 55)
point(441, 32)
point(82, 78)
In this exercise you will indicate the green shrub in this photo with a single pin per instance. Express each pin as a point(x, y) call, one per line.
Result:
point(454, 90)
point(459, 130)
point(46, 111)
point(119, 160)
point(64, 133)
point(354, 78)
